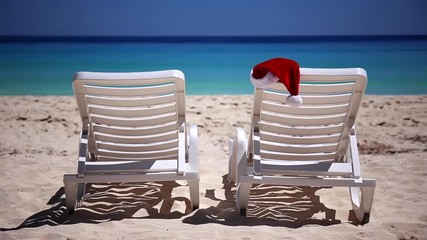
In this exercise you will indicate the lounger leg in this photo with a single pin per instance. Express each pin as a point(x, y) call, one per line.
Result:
point(194, 192)
point(81, 190)
point(70, 196)
point(242, 196)
point(362, 199)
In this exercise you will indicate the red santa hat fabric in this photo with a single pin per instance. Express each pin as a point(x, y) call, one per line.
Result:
point(279, 69)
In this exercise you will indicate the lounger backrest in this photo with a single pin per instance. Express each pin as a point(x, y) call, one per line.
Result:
point(132, 116)
point(319, 129)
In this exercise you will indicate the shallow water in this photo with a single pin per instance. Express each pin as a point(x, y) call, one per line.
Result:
point(394, 67)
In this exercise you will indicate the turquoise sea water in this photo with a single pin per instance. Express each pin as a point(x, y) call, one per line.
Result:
point(394, 67)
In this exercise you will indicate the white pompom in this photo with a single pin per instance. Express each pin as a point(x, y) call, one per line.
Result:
point(268, 79)
point(294, 100)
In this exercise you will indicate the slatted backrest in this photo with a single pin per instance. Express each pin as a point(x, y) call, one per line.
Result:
point(319, 129)
point(132, 116)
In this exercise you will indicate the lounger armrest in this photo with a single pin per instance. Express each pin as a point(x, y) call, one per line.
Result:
point(241, 153)
point(83, 147)
point(354, 153)
point(193, 149)
point(182, 149)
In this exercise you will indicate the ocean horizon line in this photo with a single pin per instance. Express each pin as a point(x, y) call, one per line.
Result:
point(207, 39)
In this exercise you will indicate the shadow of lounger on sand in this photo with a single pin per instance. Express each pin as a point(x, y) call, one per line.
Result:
point(112, 202)
point(284, 206)
point(291, 207)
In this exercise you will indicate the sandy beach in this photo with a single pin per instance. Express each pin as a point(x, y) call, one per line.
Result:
point(38, 142)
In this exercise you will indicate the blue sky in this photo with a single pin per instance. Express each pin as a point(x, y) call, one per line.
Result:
point(212, 18)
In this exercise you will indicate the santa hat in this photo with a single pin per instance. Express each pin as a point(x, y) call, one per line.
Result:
point(279, 69)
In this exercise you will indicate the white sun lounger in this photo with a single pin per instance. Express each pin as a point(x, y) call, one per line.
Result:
point(312, 145)
point(134, 130)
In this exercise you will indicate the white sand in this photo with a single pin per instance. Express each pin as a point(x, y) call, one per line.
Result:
point(38, 145)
